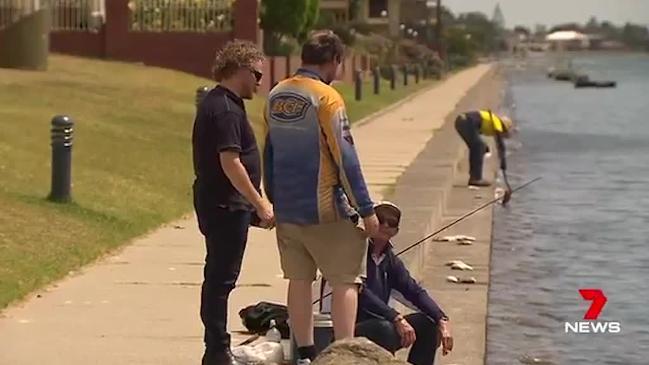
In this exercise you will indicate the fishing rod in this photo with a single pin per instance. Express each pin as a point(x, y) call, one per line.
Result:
point(447, 226)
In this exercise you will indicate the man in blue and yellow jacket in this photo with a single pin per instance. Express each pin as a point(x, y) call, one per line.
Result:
point(310, 169)
point(470, 126)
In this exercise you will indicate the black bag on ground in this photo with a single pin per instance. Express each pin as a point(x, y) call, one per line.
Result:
point(256, 318)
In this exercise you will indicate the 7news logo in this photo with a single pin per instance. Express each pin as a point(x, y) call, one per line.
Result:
point(591, 325)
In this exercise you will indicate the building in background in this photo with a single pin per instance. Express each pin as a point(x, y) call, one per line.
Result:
point(337, 11)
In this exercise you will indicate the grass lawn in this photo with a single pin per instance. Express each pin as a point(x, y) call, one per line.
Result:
point(131, 161)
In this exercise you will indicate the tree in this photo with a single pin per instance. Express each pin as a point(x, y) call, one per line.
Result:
point(280, 18)
point(460, 46)
point(312, 15)
point(483, 33)
point(567, 26)
point(635, 36)
point(520, 29)
point(355, 9)
point(592, 26)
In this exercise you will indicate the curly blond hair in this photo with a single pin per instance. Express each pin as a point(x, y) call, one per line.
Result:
point(233, 56)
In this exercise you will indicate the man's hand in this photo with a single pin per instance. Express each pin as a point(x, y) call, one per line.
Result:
point(371, 225)
point(406, 332)
point(507, 196)
point(265, 213)
point(445, 336)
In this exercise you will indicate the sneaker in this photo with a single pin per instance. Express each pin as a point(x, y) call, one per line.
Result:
point(303, 362)
point(480, 182)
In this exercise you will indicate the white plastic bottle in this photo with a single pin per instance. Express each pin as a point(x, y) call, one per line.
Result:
point(273, 334)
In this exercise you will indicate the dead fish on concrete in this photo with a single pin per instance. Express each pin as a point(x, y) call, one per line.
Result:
point(453, 262)
point(459, 265)
point(456, 280)
point(456, 238)
point(452, 279)
point(469, 280)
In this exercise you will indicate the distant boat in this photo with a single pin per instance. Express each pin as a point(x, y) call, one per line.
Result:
point(585, 81)
point(564, 74)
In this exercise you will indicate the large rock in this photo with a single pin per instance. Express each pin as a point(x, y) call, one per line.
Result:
point(356, 351)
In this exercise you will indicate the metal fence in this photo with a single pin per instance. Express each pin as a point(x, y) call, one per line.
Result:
point(70, 15)
point(12, 10)
point(77, 15)
point(181, 15)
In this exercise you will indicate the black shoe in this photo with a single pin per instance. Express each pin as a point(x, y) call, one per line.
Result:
point(479, 182)
point(223, 357)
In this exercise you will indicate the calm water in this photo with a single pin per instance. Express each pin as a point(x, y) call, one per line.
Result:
point(584, 225)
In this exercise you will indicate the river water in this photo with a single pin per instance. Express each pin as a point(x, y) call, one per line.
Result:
point(584, 225)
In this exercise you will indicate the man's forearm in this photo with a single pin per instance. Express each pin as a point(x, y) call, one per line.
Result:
point(236, 173)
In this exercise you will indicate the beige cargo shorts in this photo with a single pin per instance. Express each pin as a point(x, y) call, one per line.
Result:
point(338, 249)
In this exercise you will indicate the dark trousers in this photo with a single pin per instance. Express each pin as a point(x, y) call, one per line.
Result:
point(225, 239)
point(469, 130)
point(384, 334)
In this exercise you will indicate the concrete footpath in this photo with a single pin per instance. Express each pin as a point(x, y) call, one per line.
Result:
point(140, 306)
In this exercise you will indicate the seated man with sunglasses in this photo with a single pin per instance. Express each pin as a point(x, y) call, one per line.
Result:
point(382, 324)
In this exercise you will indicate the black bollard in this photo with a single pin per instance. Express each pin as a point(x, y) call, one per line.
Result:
point(405, 75)
point(358, 83)
point(377, 80)
point(62, 131)
point(417, 73)
point(393, 77)
point(200, 94)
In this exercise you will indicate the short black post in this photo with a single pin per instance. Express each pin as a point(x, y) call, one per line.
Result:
point(417, 73)
point(200, 94)
point(62, 131)
point(377, 80)
point(405, 75)
point(393, 77)
point(358, 83)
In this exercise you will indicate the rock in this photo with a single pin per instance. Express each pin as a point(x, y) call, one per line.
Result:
point(356, 351)
point(452, 279)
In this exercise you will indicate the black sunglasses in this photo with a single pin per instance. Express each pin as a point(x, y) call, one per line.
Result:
point(258, 74)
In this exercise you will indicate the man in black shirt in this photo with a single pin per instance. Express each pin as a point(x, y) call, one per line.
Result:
point(227, 196)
